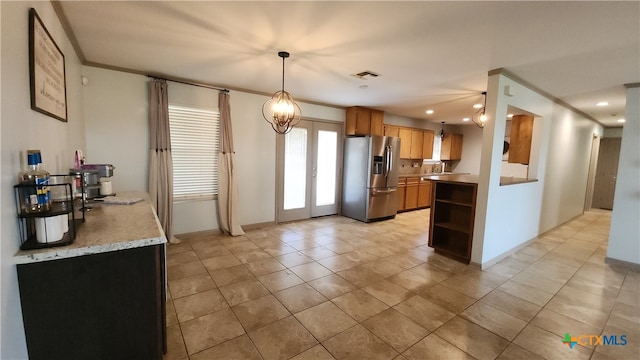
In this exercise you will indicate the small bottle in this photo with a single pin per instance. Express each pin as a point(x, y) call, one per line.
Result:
point(37, 197)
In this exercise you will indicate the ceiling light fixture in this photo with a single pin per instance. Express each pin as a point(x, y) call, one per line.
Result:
point(281, 112)
point(602, 103)
point(465, 119)
point(479, 117)
point(429, 112)
point(621, 120)
point(441, 134)
point(509, 116)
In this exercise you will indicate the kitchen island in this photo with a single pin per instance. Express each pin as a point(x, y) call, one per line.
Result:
point(453, 208)
point(101, 297)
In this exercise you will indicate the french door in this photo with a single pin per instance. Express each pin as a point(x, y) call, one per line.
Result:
point(309, 159)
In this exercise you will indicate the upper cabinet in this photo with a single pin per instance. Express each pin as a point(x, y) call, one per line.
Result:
point(451, 147)
point(391, 130)
point(405, 143)
point(414, 143)
point(364, 121)
point(520, 138)
point(427, 144)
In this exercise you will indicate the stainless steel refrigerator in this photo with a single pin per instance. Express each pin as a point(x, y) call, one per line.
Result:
point(370, 180)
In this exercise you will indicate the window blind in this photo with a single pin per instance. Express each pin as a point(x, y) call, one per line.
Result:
point(194, 149)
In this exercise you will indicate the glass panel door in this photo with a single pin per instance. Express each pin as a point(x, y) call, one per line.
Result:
point(295, 169)
point(327, 158)
point(308, 162)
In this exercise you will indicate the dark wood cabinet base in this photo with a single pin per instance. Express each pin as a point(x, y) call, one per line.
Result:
point(101, 306)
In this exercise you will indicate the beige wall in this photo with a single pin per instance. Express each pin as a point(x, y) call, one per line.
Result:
point(23, 129)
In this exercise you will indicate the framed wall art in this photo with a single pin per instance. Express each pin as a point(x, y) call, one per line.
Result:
point(46, 71)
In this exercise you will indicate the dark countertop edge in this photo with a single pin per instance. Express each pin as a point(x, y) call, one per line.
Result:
point(506, 181)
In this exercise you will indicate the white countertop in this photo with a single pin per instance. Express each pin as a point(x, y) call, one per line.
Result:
point(108, 227)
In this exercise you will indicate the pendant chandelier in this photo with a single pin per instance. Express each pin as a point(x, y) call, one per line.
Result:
point(281, 112)
point(479, 117)
point(441, 134)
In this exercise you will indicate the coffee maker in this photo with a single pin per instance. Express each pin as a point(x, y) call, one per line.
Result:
point(105, 172)
point(93, 180)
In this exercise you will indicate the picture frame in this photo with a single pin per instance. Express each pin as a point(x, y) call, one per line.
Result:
point(46, 71)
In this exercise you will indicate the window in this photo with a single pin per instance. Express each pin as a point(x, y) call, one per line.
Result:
point(437, 144)
point(194, 149)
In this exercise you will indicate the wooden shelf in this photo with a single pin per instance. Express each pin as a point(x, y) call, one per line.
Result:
point(453, 210)
point(453, 226)
point(453, 202)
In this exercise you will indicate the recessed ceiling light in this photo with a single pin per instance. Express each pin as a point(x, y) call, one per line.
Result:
point(509, 116)
point(429, 111)
point(621, 120)
point(465, 119)
point(477, 106)
point(602, 103)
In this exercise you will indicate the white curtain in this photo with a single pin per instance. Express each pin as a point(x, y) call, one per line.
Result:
point(227, 186)
point(160, 162)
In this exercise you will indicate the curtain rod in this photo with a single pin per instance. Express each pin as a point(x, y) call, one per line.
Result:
point(188, 83)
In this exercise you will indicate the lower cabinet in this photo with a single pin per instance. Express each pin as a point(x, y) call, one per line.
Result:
point(101, 306)
point(402, 187)
point(413, 193)
point(424, 193)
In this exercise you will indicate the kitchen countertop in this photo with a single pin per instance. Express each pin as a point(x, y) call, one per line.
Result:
point(461, 178)
point(428, 174)
point(108, 227)
point(510, 180)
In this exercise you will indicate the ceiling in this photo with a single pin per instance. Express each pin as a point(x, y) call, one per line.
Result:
point(429, 55)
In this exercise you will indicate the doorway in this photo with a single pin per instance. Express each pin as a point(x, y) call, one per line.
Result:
point(606, 172)
point(309, 160)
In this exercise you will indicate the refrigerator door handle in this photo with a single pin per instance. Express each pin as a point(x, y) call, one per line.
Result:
point(385, 191)
point(389, 158)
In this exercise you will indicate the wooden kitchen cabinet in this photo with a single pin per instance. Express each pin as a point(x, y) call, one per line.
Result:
point(390, 130)
point(411, 193)
point(417, 140)
point(427, 144)
point(405, 142)
point(520, 139)
point(364, 121)
point(402, 186)
point(451, 147)
point(424, 194)
point(453, 209)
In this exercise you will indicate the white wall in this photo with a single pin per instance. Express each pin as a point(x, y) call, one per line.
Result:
point(567, 167)
point(560, 164)
point(116, 111)
point(471, 150)
point(116, 121)
point(624, 235)
point(22, 129)
point(613, 132)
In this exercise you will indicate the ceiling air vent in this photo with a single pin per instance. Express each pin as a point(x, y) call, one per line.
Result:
point(366, 75)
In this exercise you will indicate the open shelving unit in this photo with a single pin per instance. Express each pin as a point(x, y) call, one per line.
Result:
point(453, 208)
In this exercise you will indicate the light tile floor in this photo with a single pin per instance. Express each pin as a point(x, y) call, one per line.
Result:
point(336, 288)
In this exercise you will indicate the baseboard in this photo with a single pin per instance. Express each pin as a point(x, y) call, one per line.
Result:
point(627, 264)
point(506, 254)
point(217, 231)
